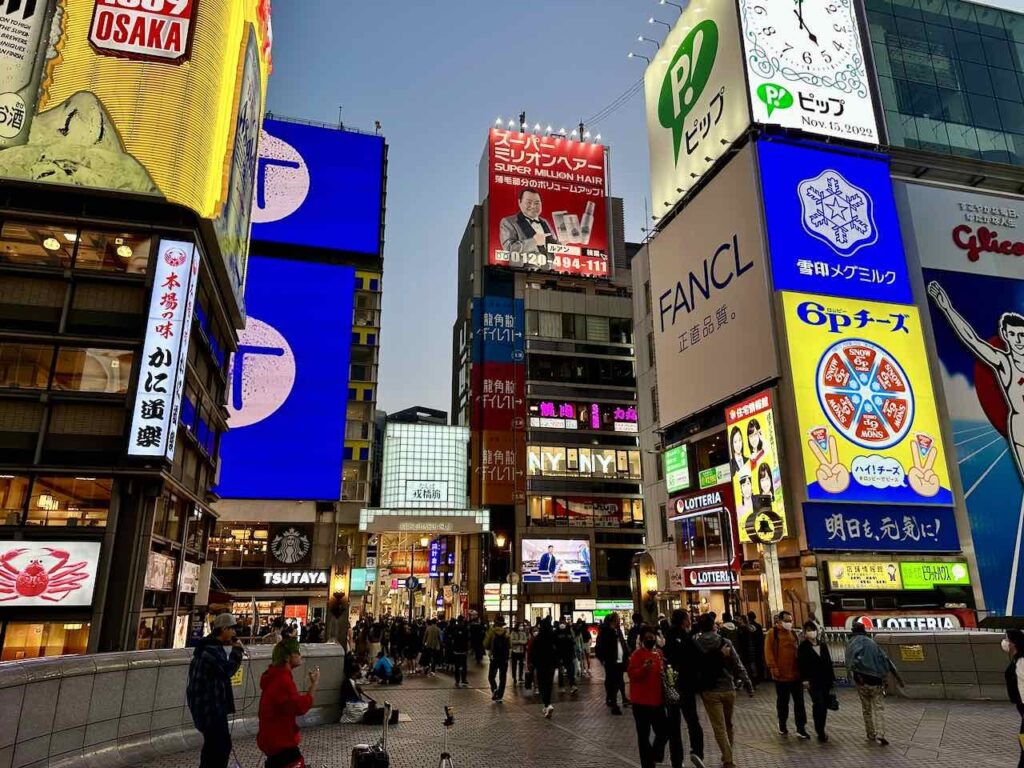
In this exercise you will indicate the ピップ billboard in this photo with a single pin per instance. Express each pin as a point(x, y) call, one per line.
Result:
point(868, 424)
point(548, 204)
point(754, 463)
point(157, 98)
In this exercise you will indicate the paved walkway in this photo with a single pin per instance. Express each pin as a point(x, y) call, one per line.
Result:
point(583, 734)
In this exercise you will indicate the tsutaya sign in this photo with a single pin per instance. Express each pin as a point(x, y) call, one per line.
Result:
point(295, 578)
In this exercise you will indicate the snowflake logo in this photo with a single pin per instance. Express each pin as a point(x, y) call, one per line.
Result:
point(837, 212)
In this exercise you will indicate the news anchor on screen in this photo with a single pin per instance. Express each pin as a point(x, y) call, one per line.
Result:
point(526, 231)
point(548, 563)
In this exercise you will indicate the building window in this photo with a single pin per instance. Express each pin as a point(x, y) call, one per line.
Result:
point(23, 640)
point(25, 366)
point(235, 544)
point(347, 453)
point(113, 251)
point(92, 370)
point(621, 329)
point(27, 244)
point(654, 405)
point(364, 454)
point(650, 349)
point(647, 297)
point(659, 470)
point(374, 285)
point(663, 521)
point(550, 324)
point(13, 495)
point(69, 501)
point(371, 339)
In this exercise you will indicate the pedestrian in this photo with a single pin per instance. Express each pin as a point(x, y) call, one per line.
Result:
point(683, 655)
point(499, 646)
point(869, 667)
point(215, 660)
point(745, 644)
point(646, 666)
point(582, 636)
point(477, 632)
point(565, 642)
point(518, 640)
point(729, 630)
point(633, 636)
point(543, 660)
point(280, 703)
point(719, 670)
point(1013, 644)
point(383, 670)
point(315, 635)
point(275, 635)
point(460, 652)
point(780, 650)
point(431, 647)
point(613, 652)
point(757, 674)
point(815, 662)
point(812, 618)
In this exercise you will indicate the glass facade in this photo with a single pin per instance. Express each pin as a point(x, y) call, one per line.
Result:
point(425, 466)
point(951, 77)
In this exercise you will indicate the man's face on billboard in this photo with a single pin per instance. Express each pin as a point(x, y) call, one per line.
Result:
point(1013, 335)
point(529, 204)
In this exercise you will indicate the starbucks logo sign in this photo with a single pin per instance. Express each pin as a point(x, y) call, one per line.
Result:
point(290, 546)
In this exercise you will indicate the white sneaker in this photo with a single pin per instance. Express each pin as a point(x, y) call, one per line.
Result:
point(548, 710)
point(574, 690)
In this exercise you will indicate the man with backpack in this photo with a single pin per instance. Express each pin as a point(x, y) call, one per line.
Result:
point(498, 644)
point(683, 655)
point(718, 671)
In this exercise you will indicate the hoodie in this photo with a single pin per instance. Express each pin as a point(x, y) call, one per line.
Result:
point(209, 695)
point(499, 644)
point(280, 704)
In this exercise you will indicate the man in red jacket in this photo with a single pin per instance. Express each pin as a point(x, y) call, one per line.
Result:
point(280, 703)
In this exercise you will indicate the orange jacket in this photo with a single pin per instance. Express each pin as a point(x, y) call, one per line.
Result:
point(780, 654)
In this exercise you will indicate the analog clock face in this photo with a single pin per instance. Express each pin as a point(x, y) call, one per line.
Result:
point(813, 37)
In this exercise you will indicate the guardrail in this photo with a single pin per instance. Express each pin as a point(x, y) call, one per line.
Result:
point(119, 709)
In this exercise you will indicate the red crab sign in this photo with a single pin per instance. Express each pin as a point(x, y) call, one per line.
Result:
point(33, 573)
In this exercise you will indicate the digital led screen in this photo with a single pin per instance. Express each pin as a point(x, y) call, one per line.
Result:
point(289, 384)
point(556, 561)
point(48, 573)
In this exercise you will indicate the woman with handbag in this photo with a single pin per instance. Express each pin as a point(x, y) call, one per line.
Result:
point(647, 689)
point(815, 664)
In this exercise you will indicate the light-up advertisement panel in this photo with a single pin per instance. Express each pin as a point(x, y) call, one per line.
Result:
point(319, 186)
point(865, 575)
point(880, 528)
point(547, 202)
point(928, 575)
point(48, 573)
point(583, 415)
point(831, 222)
point(677, 469)
point(556, 561)
point(806, 68)
point(289, 384)
point(868, 424)
point(754, 463)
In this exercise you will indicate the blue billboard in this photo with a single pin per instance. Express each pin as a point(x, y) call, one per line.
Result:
point(289, 383)
point(832, 223)
point(498, 327)
point(319, 187)
point(880, 528)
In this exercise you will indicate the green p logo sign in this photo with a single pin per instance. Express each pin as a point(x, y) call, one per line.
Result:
point(687, 76)
point(774, 97)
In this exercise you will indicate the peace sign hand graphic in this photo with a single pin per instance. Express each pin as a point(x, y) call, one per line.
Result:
point(922, 477)
point(833, 477)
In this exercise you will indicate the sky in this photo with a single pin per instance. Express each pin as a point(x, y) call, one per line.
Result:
point(436, 74)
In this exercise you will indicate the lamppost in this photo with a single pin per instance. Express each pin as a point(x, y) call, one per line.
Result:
point(511, 577)
point(410, 584)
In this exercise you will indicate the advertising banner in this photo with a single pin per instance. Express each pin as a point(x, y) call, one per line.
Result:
point(498, 326)
point(48, 573)
point(806, 68)
point(712, 326)
point(162, 100)
point(970, 246)
point(868, 424)
point(880, 528)
point(583, 415)
point(556, 561)
point(937, 620)
point(926, 575)
point(154, 429)
point(319, 186)
point(718, 578)
point(754, 464)
point(677, 469)
point(289, 384)
point(548, 208)
point(861, 575)
point(832, 223)
point(501, 466)
point(696, 99)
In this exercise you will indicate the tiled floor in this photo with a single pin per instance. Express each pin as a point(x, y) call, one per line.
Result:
point(583, 734)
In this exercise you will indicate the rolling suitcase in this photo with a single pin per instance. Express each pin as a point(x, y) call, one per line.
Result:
point(376, 755)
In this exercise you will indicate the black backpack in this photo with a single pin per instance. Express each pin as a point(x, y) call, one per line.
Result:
point(501, 647)
point(710, 670)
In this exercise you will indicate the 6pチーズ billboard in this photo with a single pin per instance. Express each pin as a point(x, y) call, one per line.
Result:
point(319, 186)
point(868, 424)
point(547, 204)
point(754, 463)
point(84, 103)
point(289, 384)
point(713, 322)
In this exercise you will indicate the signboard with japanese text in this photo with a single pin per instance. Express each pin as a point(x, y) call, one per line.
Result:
point(48, 573)
point(867, 418)
point(161, 99)
point(711, 476)
point(426, 490)
point(696, 99)
point(498, 325)
point(880, 528)
point(677, 469)
point(547, 202)
point(806, 68)
point(582, 415)
point(712, 315)
point(501, 466)
point(861, 575)
point(165, 350)
point(319, 186)
point(754, 464)
point(831, 222)
point(927, 575)
point(289, 383)
point(969, 246)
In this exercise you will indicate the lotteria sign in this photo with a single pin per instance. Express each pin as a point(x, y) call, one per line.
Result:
point(708, 578)
point(702, 502)
point(295, 578)
point(907, 622)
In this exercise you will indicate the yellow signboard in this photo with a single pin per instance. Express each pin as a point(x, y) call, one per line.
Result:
point(911, 653)
point(865, 575)
point(238, 678)
point(159, 98)
point(865, 406)
point(754, 463)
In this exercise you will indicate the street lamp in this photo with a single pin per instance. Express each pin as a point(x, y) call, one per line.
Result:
point(669, 2)
point(665, 24)
point(424, 543)
point(642, 39)
point(639, 56)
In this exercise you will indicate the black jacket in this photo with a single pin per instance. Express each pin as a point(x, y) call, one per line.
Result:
point(815, 668)
point(544, 650)
point(460, 639)
point(605, 650)
point(683, 655)
point(565, 644)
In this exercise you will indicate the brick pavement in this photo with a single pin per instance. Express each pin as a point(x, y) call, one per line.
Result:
point(583, 734)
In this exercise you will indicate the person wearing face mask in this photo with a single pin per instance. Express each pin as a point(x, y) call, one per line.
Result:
point(645, 673)
point(1013, 644)
point(519, 638)
point(780, 653)
point(869, 667)
point(816, 671)
point(566, 644)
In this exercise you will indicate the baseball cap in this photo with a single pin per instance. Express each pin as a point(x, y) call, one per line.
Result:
point(223, 621)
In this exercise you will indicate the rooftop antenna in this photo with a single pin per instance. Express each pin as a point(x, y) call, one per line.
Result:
point(341, 123)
